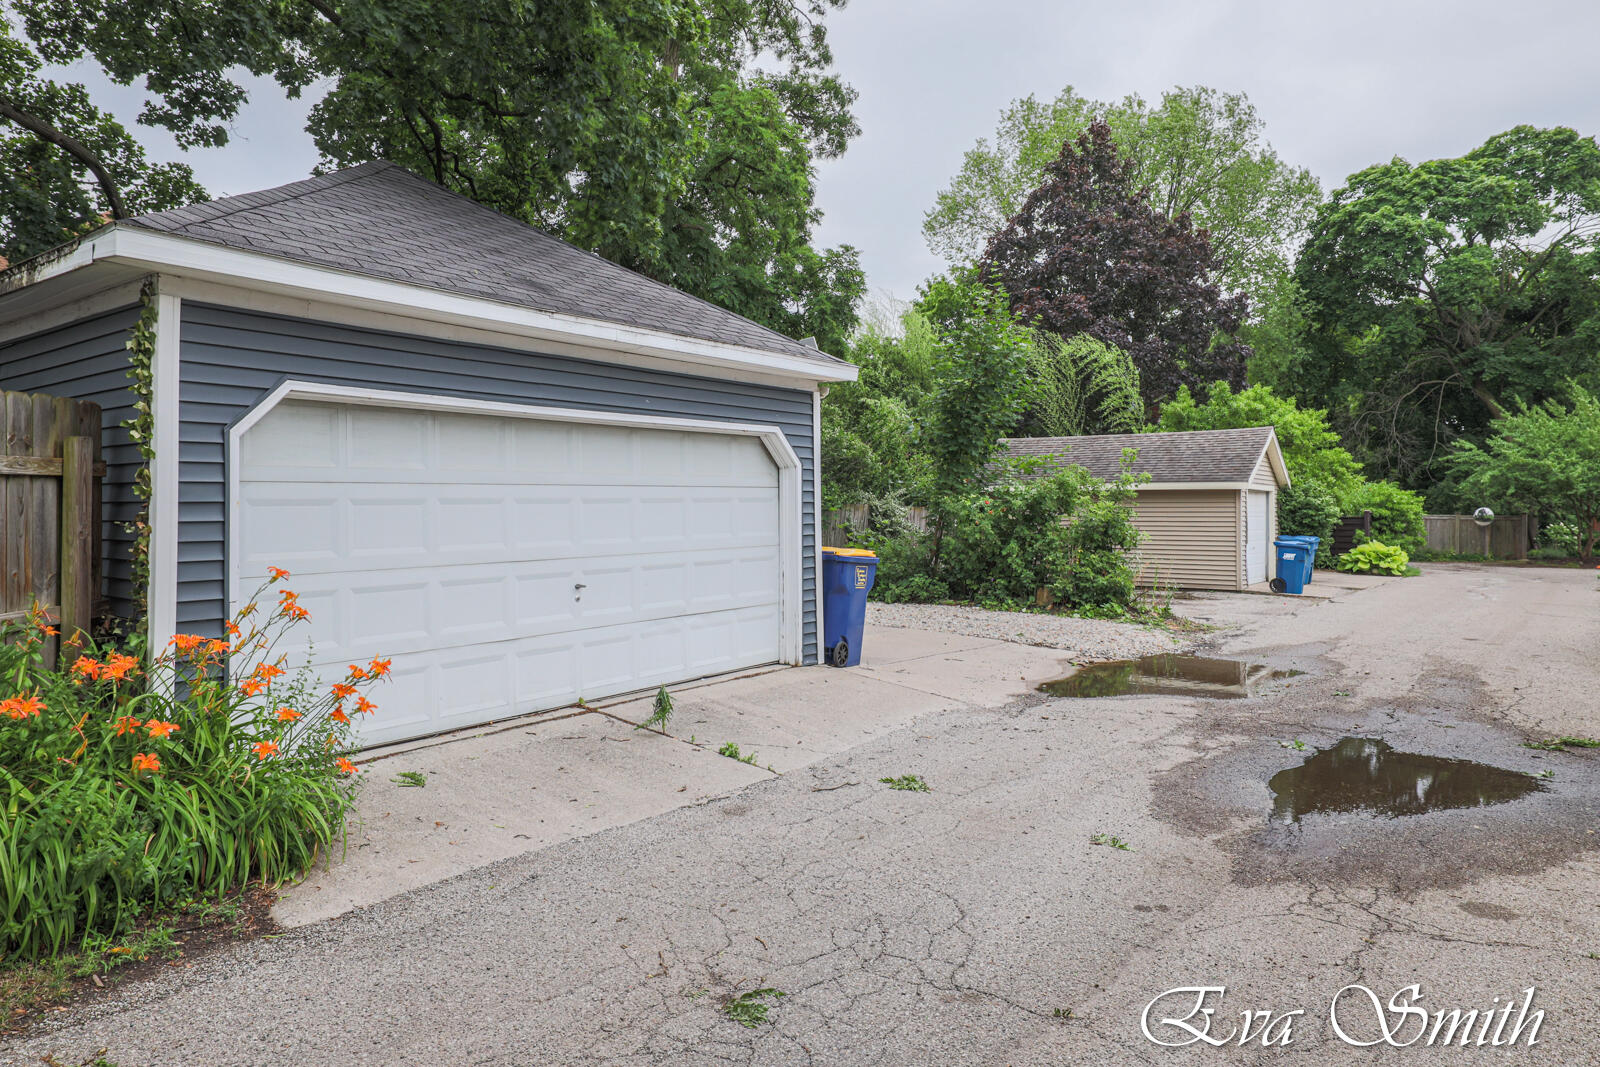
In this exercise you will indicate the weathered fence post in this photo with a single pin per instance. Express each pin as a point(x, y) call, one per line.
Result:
point(77, 513)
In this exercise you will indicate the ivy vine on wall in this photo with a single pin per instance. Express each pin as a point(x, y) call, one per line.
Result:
point(141, 428)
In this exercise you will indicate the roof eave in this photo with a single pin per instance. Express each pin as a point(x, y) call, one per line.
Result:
point(208, 261)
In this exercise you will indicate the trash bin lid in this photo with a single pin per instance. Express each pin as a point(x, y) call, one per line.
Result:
point(851, 552)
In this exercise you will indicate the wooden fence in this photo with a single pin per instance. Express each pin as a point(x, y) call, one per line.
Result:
point(1345, 530)
point(841, 525)
point(1507, 537)
point(50, 470)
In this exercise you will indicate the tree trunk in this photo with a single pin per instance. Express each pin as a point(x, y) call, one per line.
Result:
point(73, 147)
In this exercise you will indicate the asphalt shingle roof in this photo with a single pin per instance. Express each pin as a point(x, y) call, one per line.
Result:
point(381, 220)
point(1186, 456)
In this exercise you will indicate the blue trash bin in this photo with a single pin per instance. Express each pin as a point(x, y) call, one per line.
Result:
point(847, 577)
point(1311, 544)
point(1291, 554)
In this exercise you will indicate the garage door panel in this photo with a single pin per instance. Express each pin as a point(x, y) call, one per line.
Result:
point(452, 544)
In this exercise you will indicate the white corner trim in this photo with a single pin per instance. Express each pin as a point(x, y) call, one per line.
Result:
point(816, 506)
point(205, 261)
point(790, 471)
point(162, 617)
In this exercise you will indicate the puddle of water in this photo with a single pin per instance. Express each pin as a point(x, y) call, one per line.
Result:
point(1170, 673)
point(1365, 775)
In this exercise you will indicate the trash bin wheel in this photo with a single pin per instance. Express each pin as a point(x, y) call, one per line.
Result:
point(841, 653)
point(1278, 585)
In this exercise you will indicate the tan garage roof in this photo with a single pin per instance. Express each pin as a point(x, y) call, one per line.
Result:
point(1188, 459)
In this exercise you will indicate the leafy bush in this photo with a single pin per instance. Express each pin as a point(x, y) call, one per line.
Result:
point(1565, 537)
point(1396, 513)
point(1374, 557)
point(130, 786)
point(1310, 510)
point(1063, 530)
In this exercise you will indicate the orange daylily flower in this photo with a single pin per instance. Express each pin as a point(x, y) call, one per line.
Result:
point(22, 707)
point(252, 686)
point(216, 647)
point(146, 761)
point(343, 690)
point(365, 706)
point(232, 628)
point(357, 671)
point(296, 612)
point(268, 671)
point(288, 714)
point(186, 643)
point(378, 668)
point(278, 573)
point(118, 666)
point(127, 724)
point(263, 749)
point(87, 667)
point(337, 714)
point(161, 729)
point(346, 766)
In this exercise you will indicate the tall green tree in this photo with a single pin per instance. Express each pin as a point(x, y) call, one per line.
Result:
point(1542, 457)
point(677, 137)
point(65, 165)
point(1439, 294)
point(1200, 151)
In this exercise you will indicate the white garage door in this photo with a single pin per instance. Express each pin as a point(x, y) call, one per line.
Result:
point(1257, 541)
point(509, 565)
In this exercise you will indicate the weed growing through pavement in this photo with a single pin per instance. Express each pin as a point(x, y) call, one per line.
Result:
point(1297, 744)
point(660, 712)
point(1542, 774)
point(1111, 841)
point(410, 779)
point(1062, 1013)
point(749, 1009)
point(731, 750)
point(1560, 744)
point(911, 783)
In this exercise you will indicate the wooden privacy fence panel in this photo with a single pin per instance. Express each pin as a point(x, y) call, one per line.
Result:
point(50, 533)
point(1506, 537)
point(1344, 531)
point(839, 525)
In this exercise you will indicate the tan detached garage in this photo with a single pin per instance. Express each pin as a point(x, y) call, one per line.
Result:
point(1209, 510)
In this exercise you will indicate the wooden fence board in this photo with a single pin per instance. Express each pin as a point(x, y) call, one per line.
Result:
point(1506, 537)
point(50, 535)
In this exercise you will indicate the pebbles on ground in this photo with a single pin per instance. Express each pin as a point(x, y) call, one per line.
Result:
point(1087, 639)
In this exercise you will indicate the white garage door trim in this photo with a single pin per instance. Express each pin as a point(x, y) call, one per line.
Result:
point(1257, 553)
point(777, 446)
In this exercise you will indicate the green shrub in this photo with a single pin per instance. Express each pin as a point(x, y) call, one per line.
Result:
point(1396, 514)
point(1374, 557)
point(1063, 530)
point(1309, 509)
point(129, 786)
point(1564, 537)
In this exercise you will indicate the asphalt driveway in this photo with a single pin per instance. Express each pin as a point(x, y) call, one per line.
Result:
point(977, 923)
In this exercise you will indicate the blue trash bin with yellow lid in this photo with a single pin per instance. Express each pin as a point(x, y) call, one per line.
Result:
point(847, 577)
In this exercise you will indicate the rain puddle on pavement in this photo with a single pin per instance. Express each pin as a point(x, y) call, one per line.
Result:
point(1363, 775)
point(1171, 674)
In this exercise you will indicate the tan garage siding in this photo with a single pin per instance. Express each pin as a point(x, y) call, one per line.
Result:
point(1264, 478)
point(1192, 537)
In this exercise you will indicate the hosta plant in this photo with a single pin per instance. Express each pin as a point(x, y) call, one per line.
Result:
point(1374, 557)
point(127, 784)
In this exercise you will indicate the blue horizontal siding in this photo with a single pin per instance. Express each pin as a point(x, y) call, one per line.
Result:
point(88, 360)
point(231, 358)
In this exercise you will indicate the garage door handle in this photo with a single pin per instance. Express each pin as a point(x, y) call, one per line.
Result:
point(579, 585)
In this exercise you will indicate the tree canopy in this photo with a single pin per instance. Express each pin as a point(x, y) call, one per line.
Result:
point(644, 132)
point(1087, 253)
point(1200, 152)
point(1437, 294)
point(1543, 457)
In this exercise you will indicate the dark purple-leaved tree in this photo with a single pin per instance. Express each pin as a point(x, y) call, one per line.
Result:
point(1087, 254)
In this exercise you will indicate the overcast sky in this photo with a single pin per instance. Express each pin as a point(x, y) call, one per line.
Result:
point(1340, 85)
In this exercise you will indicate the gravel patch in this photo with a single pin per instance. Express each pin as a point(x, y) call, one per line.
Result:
point(1088, 639)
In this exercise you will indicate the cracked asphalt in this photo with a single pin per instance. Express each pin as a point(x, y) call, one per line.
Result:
point(976, 923)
